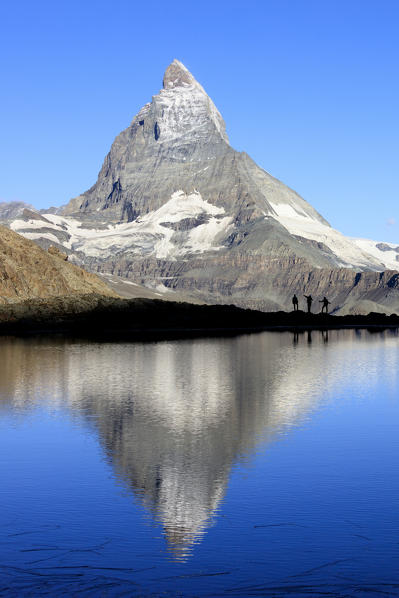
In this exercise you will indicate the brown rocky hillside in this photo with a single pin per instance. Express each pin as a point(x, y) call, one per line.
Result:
point(27, 271)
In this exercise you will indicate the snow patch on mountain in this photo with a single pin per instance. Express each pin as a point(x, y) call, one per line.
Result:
point(349, 253)
point(36, 236)
point(388, 253)
point(151, 234)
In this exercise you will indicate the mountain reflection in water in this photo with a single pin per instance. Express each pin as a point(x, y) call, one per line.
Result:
point(174, 417)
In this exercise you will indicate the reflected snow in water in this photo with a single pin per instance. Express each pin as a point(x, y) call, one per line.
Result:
point(259, 465)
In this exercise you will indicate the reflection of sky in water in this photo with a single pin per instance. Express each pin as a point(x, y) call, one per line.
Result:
point(174, 418)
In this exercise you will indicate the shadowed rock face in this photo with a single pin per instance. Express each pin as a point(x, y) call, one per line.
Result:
point(176, 208)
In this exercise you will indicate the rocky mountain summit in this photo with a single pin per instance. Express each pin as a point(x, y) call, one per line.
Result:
point(177, 209)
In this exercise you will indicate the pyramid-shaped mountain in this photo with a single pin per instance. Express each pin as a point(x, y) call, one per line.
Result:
point(176, 155)
point(177, 209)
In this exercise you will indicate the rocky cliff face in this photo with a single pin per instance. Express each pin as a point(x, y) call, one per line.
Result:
point(176, 208)
point(13, 209)
point(27, 272)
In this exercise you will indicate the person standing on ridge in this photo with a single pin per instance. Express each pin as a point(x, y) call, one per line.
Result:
point(325, 303)
point(309, 300)
point(295, 302)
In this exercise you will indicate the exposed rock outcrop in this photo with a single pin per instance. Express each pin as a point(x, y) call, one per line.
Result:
point(28, 272)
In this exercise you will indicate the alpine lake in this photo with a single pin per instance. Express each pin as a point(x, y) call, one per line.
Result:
point(260, 465)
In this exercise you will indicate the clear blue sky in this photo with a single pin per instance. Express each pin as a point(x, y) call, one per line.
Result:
point(310, 89)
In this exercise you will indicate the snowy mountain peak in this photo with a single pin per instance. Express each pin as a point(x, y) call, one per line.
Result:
point(176, 75)
point(176, 207)
point(183, 108)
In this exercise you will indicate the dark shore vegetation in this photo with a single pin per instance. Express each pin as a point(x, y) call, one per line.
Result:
point(105, 317)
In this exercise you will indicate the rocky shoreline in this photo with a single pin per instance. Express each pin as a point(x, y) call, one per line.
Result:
point(103, 317)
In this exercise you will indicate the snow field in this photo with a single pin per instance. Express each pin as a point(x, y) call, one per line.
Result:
point(147, 235)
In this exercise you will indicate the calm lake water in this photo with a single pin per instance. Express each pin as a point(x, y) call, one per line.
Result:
point(262, 465)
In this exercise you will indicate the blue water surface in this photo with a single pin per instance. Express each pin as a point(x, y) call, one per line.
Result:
point(262, 465)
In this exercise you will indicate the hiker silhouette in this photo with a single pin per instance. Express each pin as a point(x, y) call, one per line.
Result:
point(325, 303)
point(295, 302)
point(309, 300)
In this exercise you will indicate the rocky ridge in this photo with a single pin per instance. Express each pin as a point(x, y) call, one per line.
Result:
point(13, 209)
point(28, 272)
